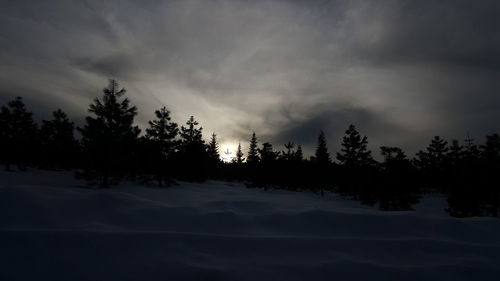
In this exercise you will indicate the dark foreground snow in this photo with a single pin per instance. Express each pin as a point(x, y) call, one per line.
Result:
point(53, 229)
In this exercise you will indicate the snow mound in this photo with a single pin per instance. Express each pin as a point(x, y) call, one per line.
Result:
point(53, 229)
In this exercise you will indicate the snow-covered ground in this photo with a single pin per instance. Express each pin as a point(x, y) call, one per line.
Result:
point(52, 228)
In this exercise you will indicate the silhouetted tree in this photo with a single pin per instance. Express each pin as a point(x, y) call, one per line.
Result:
point(322, 156)
point(239, 155)
point(357, 166)
point(18, 134)
point(59, 147)
point(266, 153)
point(435, 155)
point(193, 156)
point(354, 152)
point(289, 154)
point(471, 185)
point(392, 154)
point(109, 136)
point(214, 159)
point(191, 134)
point(265, 174)
point(397, 189)
point(163, 131)
point(491, 150)
point(455, 153)
point(159, 146)
point(298, 155)
point(213, 150)
point(433, 162)
point(253, 156)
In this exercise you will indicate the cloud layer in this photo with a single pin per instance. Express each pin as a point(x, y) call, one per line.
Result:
point(402, 71)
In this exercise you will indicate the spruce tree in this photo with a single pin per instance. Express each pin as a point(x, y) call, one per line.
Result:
point(191, 134)
point(435, 156)
point(455, 153)
point(193, 157)
point(160, 145)
point(354, 152)
point(289, 154)
point(18, 134)
point(109, 136)
point(252, 156)
point(213, 150)
point(491, 150)
point(298, 155)
point(59, 147)
point(392, 154)
point(267, 154)
point(163, 131)
point(322, 156)
point(239, 155)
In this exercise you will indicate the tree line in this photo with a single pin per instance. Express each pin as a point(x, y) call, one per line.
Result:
point(111, 148)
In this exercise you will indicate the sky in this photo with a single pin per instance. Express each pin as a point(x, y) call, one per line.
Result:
point(401, 71)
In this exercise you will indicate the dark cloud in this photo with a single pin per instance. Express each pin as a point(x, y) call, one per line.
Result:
point(401, 70)
point(455, 32)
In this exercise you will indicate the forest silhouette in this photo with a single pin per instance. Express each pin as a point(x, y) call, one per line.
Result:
point(112, 149)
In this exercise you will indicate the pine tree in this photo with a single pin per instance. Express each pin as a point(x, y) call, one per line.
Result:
point(18, 134)
point(213, 150)
point(193, 157)
point(109, 136)
point(322, 156)
point(298, 155)
point(163, 132)
point(267, 154)
point(191, 134)
point(253, 156)
point(455, 152)
point(354, 152)
point(59, 147)
point(435, 156)
point(491, 150)
point(471, 151)
point(289, 154)
point(160, 145)
point(239, 155)
point(392, 154)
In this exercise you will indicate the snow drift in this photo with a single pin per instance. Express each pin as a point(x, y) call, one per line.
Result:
point(53, 228)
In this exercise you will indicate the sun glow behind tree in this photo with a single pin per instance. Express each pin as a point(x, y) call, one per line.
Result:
point(228, 151)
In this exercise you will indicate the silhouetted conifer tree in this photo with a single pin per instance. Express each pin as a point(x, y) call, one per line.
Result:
point(289, 154)
point(193, 156)
point(239, 155)
point(213, 150)
point(159, 146)
point(18, 134)
point(109, 136)
point(192, 134)
point(59, 147)
point(392, 154)
point(298, 155)
point(253, 156)
point(354, 152)
point(357, 166)
point(455, 153)
point(163, 131)
point(397, 189)
point(214, 159)
point(322, 156)
point(491, 150)
point(266, 153)
point(435, 155)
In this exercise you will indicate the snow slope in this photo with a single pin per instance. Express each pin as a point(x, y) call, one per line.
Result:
point(52, 228)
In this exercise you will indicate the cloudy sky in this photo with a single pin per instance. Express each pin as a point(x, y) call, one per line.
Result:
point(402, 71)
